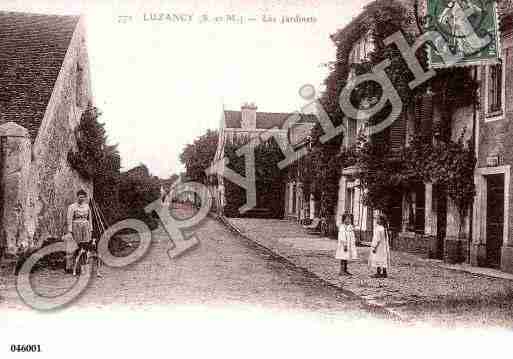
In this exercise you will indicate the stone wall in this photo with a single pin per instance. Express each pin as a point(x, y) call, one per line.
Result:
point(52, 183)
point(414, 243)
point(15, 149)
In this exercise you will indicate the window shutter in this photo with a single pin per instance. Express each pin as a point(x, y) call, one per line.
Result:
point(352, 131)
point(491, 88)
point(509, 71)
point(398, 133)
point(424, 114)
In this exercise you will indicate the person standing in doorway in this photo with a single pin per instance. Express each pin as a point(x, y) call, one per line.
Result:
point(379, 258)
point(346, 249)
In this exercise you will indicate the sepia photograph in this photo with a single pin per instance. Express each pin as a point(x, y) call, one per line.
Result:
point(256, 178)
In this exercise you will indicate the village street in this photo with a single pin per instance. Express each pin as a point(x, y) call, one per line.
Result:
point(225, 289)
point(228, 289)
point(274, 267)
point(224, 271)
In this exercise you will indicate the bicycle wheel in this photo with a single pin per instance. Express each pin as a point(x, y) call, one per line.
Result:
point(81, 260)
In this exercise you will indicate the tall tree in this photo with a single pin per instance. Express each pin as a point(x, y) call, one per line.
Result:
point(97, 161)
point(198, 156)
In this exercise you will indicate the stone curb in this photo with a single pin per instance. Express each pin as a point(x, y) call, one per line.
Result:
point(370, 305)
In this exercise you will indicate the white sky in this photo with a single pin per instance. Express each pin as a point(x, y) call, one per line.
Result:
point(161, 84)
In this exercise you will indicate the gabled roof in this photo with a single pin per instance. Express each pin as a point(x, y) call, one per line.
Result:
point(32, 50)
point(264, 120)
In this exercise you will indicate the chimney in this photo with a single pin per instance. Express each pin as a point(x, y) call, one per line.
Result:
point(248, 111)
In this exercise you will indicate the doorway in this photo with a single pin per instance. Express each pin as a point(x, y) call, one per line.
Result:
point(494, 219)
point(441, 220)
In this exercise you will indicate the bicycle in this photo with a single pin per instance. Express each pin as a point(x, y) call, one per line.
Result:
point(87, 255)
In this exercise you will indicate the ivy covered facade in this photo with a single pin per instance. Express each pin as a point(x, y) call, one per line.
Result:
point(441, 171)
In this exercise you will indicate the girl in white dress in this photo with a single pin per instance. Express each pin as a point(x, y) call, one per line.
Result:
point(346, 249)
point(379, 257)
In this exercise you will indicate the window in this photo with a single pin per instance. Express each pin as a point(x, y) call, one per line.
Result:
point(495, 88)
point(420, 211)
point(351, 131)
point(415, 209)
point(362, 48)
point(494, 93)
point(294, 197)
point(349, 200)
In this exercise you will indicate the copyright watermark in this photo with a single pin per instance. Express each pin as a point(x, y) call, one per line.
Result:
point(174, 228)
point(455, 37)
point(433, 39)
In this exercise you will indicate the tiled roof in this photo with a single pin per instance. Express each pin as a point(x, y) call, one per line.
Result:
point(264, 120)
point(138, 171)
point(32, 50)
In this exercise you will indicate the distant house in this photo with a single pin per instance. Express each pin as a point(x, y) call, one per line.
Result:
point(166, 185)
point(248, 123)
point(140, 171)
point(45, 87)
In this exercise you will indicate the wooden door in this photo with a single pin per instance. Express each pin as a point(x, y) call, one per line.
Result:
point(494, 219)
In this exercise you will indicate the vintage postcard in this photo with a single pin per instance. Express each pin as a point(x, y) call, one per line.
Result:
point(256, 178)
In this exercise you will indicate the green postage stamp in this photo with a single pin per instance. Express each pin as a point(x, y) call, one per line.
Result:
point(469, 28)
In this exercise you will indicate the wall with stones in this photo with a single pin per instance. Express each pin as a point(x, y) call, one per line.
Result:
point(52, 183)
point(15, 149)
point(410, 242)
point(496, 141)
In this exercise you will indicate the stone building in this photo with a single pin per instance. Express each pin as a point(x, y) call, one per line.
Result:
point(425, 219)
point(248, 123)
point(351, 193)
point(431, 224)
point(492, 240)
point(45, 86)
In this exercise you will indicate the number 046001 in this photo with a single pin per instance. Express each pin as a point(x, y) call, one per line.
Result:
point(26, 348)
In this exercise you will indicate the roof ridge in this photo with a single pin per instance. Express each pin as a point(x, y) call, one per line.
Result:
point(33, 48)
point(25, 13)
point(272, 113)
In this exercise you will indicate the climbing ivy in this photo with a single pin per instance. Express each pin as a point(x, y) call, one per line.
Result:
point(382, 173)
point(447, 163)
point(269, 177)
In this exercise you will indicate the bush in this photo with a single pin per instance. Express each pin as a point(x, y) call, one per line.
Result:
point(137, 189)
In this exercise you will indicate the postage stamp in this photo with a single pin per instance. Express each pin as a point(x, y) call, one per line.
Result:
point(469, 28)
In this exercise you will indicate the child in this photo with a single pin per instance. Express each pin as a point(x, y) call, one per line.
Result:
point(346, 250)
point(379, 257)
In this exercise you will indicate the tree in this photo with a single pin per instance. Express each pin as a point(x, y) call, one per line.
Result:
point(118, 195)
point(269, 178)
point(97, 161)
point(137, 189)
point(198, 156)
